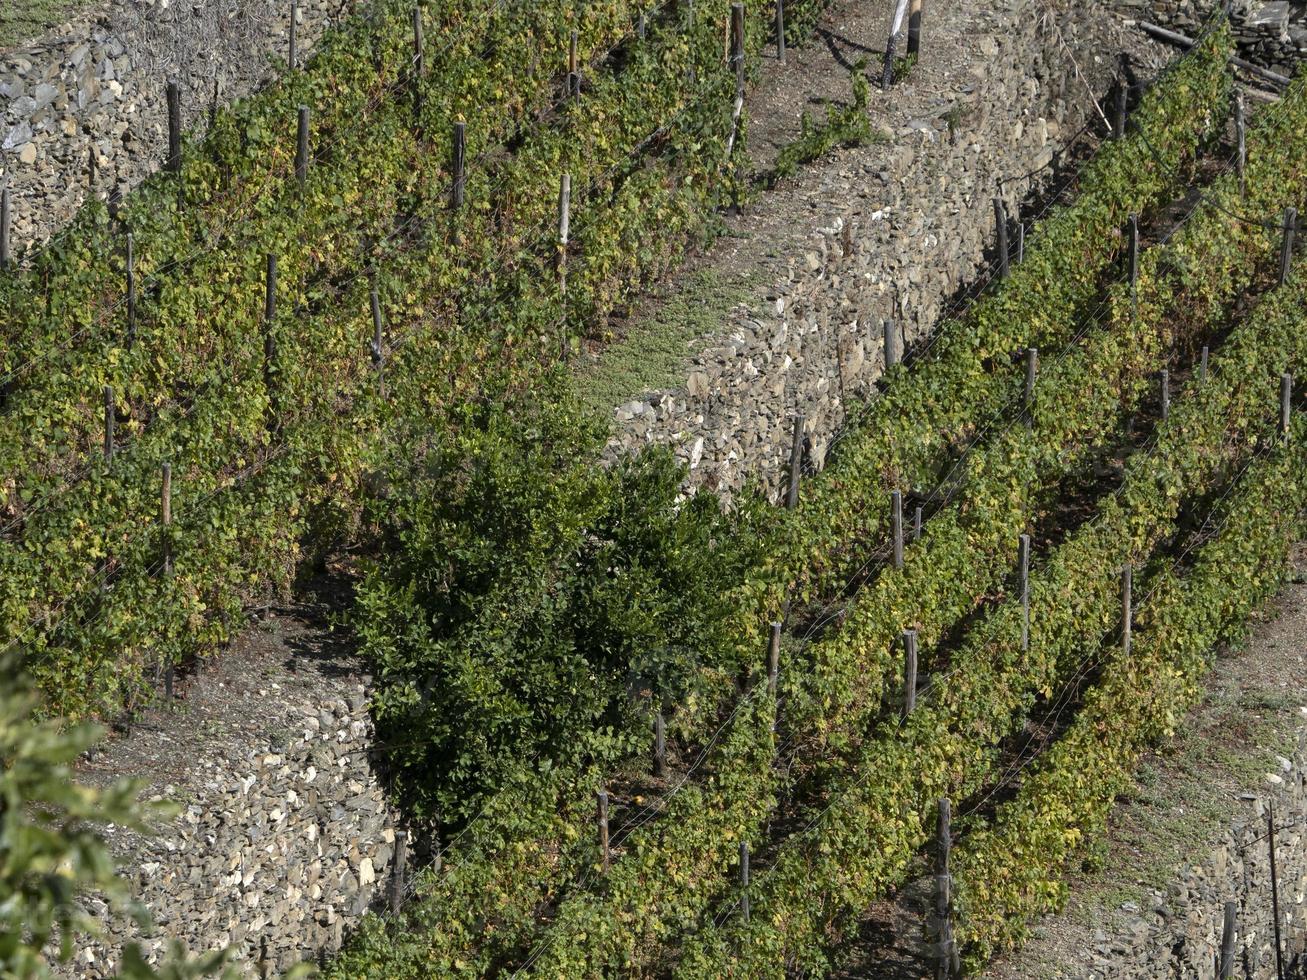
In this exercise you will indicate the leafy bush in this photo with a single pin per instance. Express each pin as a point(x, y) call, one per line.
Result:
point(531, 603)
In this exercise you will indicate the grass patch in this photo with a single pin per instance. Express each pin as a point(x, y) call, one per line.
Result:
point(652, 351)
point(24, 20)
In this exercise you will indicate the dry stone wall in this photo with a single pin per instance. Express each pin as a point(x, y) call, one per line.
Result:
point(1179, 936)
point(94, 90)
point(916, 230)
point(275, 854)
point(1271, 33)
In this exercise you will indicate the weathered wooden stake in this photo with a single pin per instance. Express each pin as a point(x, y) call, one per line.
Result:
point(6, 215)
point(896, 525)
point(269, 317)
point(773, 658)
point(564, 227)
point(397, 871)
point(909, 671)
point(1275, 892)
point(1134, 258)
point(1241, 139)
point(165, 515)
point(375, 348)
point(1021, 242)
point(1032, 369)
point(780, 31)
point(604, 857)
point(459, 166)
point(737, 46)
point(1023, 585)
point(1165, 385)
point(914, 29)
point(302, 146)
point(419, 61)
point(796, 464)
point(1118, 117)
point(131, 288)
point(1227, 941)
point(174, 161)
point(1127, 615)
point(1202, 364)
point(946, 964)
point(916, 524)
point(1286, 244)
point(1286, 393)
point(641, 28)
point(1000, 221)
point(292, 58)
point(108, 424)
point(744, 880)
point(891, 344)
point(660, 745)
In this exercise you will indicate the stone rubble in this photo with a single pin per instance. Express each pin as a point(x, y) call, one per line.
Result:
point(278, 854)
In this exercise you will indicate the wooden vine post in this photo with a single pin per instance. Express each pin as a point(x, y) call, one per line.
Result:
point(896, 526)
point(1028, 395)
point(1023, 585)
point(375, 348)
point(796, 464)
point(773, 658)
point(1286, 244)
point(737, 61)
point(1000, 221)
point(1202, 364)
point(1164, 382)
point(573, 68)
point(1134, 260)
point(108, 424)
point(1021, 242)
point(909, 671)
point(1127, 581)
point(890, 343)
point(564, 228)
point(780, 31)
point(947, 962)
point(914, 29)
point(292, 58)
point(1275, 891)
point(397, 871)
point(419, 62)
point(1241, 141)
point(131, 289)
point(174, 98)
point(458, 153)
point(660, 745)
point(165, 514)
point(916, 524)
point(1118, 116)
point(269, 340)
point(1227, 941)
point(1286, 395)
point(302, 146)
point(744, 880)
point(6, 217)
point(604, 855)
point(737, 47)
